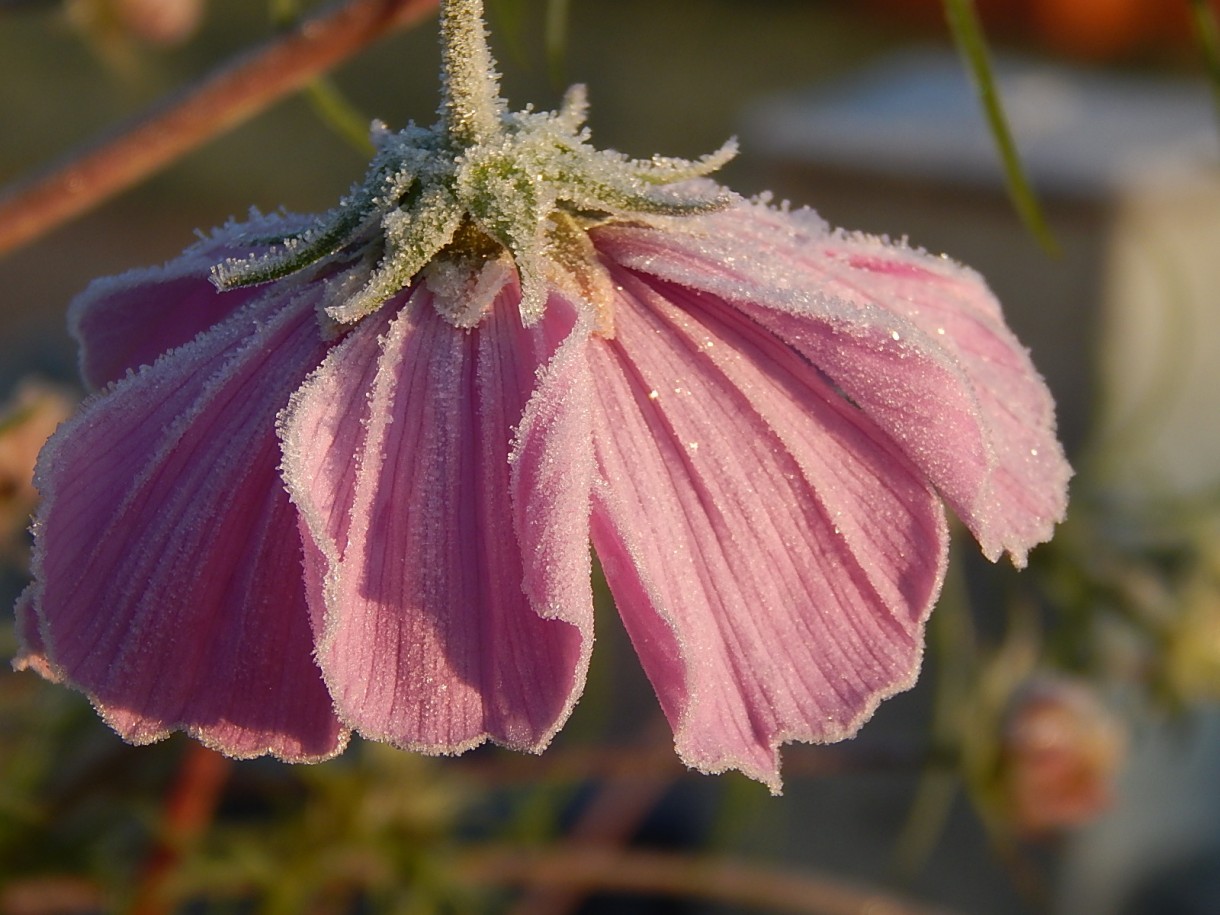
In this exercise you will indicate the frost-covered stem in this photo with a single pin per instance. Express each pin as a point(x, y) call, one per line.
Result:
point(471, 106)
point(227, 97)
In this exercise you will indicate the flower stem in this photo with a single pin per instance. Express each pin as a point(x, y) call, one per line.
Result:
point(221, 101)
point(1208, 34)
point(471, 106)
point(968, 35)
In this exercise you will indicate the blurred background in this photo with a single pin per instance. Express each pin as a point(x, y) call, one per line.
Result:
point(1087, 679)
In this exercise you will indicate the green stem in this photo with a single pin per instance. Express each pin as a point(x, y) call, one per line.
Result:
point(951, 642)
point(968, 34)
point(333, 107)
point(1208, 34)
point(471, 106)
point(556, 35)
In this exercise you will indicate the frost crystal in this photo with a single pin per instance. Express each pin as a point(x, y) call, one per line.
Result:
point(480, 180)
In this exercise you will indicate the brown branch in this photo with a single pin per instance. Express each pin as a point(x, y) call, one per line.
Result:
point(221, 101)
point(612, 816)
point(724, 880)
point(186, 816)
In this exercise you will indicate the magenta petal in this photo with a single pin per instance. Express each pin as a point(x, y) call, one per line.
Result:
point(915, 341)
point(772, 554)
point(167, 555)
point(126, 321)
point(430, 640)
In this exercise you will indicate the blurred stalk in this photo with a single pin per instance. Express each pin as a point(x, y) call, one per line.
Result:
point(1208, 33)
point(339, 114)
point(325, 97)
point(727, 881)
point(186, 815)
point(968, 35)
point(556, 39)
point(229, 96)
point(952, 644)
point(610, 819)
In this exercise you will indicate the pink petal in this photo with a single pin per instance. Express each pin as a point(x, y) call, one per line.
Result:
point(126, 321)
point(31, 653)
point(552, 474)
point(772, 554)
point(399, 463)
point(167, 555)
point(915, 341)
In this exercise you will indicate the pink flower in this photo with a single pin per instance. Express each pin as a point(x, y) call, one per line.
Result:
point(269, 530)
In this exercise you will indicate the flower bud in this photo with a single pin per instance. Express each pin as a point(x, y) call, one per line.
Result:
point(1060, 751)
point(161, 22)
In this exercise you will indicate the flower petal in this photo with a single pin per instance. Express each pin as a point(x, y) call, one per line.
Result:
point(126, 321)
point(429, 640)
point(915, 341)
point(552, 473)
point(773, 554)
point(31, 653)
point(167, 555)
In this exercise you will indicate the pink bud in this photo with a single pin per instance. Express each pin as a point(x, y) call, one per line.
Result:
point(1061, 751)
point(162, 22)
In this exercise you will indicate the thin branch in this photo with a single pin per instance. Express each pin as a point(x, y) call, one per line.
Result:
point(610, 819)
point(221, 101)
point(186, 816)
point(724, 880)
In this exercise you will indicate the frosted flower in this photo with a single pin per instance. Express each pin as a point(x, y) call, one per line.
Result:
point(355, 488)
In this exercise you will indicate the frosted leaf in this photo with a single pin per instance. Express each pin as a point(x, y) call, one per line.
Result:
point(411, 240)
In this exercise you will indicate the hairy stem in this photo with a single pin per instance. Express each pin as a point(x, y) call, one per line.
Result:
point(470, 101)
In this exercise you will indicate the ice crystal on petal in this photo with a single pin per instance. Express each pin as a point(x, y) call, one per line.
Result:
point(527, 345)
